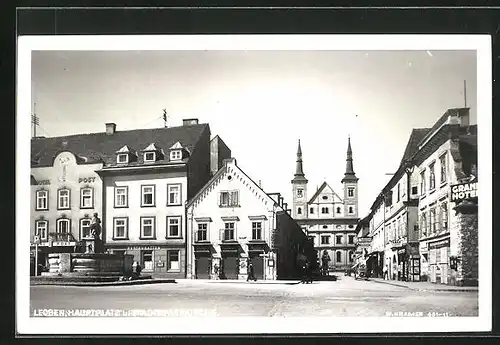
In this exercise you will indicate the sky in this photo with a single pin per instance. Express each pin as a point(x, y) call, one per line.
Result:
point(261, 102)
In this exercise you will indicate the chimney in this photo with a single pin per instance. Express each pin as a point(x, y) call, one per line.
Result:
point(463, 115)
point(110, 128)
point(189, 122)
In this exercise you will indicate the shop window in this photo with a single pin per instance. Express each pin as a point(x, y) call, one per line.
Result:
point(443, 167)
point(120, 228)
point(432, 177)
point(148, 227)
point(173, 260)
point(174, 194)
point(147, 260)
point(324, 210)
point(325, 239)
point(175, 155)
point(174, 227)
point(338, 256)
point(147, 196)
point(229, 199)
point(85, 228)
point(42, 200)
point(41, 229)
point(86, 197)
point(63, 226)
point(256, 230)
point(338, 239)
point(63, 196)
point(299, 210)
point(121, 196)
point(201, 234)
point(229, 232)
point(311, 210)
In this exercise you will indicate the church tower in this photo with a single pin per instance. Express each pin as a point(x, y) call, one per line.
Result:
point(299, 188)
point(350, 182)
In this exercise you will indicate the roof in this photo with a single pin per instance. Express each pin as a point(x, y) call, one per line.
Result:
point(416, 136)
point(320, 189)
point(102, 147)
point(442, 120)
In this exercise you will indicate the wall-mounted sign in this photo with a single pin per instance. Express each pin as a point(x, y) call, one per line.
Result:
point(63, 244)
point(43, 182)
point(463, 191)
point(439, 244)
point(270, 263)
point(86, 180)
point(143, 248)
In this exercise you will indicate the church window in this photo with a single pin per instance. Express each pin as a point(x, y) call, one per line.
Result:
point(350, 192)
point(299, 210)
point(338, 210)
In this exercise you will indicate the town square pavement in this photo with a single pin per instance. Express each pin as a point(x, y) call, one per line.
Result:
point(344, 297)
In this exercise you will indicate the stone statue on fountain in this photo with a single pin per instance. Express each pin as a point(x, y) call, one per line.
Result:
point(95, 245)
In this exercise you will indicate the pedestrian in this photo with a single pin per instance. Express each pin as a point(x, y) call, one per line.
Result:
point(386, 273)
point(250, 275)
point(216, 272)
point(307, 269)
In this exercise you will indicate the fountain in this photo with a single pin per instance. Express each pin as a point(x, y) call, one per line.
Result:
point(93, 264)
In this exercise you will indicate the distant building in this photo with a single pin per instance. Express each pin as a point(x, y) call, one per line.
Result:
point(328, 218)
point(232, 222)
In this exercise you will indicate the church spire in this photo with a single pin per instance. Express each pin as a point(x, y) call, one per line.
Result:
point(299, 172)
point(349, 170)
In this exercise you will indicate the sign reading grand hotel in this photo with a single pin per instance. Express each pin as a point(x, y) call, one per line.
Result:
point(463, 191)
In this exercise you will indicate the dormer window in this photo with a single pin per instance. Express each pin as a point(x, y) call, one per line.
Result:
point(122, 158)
point(149, 156)
point(175, 155)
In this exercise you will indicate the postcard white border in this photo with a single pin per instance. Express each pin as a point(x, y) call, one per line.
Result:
point(235, 325)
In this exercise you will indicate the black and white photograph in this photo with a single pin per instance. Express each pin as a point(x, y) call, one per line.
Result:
point(210, 184)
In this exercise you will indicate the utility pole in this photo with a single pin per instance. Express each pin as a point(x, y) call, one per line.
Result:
point(34, 120)
point(165, 117)
point(465, 94)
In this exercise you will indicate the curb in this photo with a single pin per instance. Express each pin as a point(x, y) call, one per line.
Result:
point(423, 289)
point(118, 283)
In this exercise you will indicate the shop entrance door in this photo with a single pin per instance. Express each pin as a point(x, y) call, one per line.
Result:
point(202, 267)
point(258, 266)
point(230, 267)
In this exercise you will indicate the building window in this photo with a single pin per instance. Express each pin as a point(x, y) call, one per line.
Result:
point(121, 196)
point(350, 192)
point(175, 155)
point(443, 166)
point(325, 226)
point(299, 210)
point(85, 228)
point(351, 239)
point(432, 177)
point(63, 226)
point(404, 186)
point(149, 156)
point(229, 198)
point(120, 228)
point(399, 193)
point(338, 210)
point(201, 234)
point(338, 239)
point(173, 260)
point(147, 196)
point(174, 227)
point(256, 230)
point(300, 193)
point(351, 256)
point(422, 182)
point(174, 194)
point(41, 227)
point(339, 256)
point(324, 210)
point(63, 199)
point(433, 220)
point(147, 260)
point(228, 232)
point(444, 216)
point(147, 228)
point(42, 200)
point(325, 197)
point(311, 210)
point(122, 158)
point(351, 210)
point(414, 190)
point(87, 197)
point(423, 224)
point(325, 239)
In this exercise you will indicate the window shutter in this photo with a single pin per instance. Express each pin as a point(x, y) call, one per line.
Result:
point(221, 234)
point(234, 198)
point(221, 201)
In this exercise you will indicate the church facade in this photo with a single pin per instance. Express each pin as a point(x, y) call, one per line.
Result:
point(327, 217)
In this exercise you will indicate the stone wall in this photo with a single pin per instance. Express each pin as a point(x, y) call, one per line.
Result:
point(468, 266)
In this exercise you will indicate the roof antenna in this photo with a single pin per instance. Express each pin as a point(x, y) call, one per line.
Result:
point(34, 120)
point(465, 93)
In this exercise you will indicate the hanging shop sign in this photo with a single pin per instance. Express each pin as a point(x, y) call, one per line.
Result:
point(439, 244)
point(463, 191)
